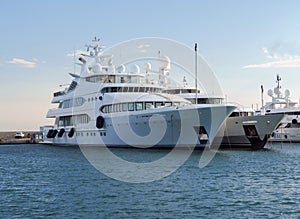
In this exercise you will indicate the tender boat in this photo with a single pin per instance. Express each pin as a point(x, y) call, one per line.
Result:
point(110, 106)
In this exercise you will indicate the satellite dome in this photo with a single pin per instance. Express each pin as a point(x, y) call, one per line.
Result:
point(164, 62)
point(277, 91)
point(270, 92)
point(287, 93)
point(147, 67)
point(121, 69)
point(135, 69)
point(96, 68)
point(110, 62)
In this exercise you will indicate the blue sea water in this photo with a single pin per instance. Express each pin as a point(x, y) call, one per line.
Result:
point(39, 181)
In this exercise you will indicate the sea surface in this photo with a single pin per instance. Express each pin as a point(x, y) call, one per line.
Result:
point(40, 181)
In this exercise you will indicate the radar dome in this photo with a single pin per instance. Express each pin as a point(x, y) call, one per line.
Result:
point(121, 69)
point(96, 68)
point(110, 62)
point(270, 93)
point(147, 67)
point(135, 69)
point(276, 91)
point(287, 93)
point(164, 62)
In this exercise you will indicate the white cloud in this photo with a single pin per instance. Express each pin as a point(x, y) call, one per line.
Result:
point(277, 64)
point(142, 46)
point(281, 55)
point(265, 50)
point(23, 62)
point(76, 52)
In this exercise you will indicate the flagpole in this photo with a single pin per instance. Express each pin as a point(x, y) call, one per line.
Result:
point(262, 96)
point(196, 74)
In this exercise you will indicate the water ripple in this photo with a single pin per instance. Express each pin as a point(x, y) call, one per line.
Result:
point(53, 182)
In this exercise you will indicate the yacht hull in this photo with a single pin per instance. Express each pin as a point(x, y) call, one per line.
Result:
point(249, 132)
point(286, 135)
point(162, 128)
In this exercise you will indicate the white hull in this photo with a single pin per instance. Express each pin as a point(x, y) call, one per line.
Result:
point(249, 131)
point(287, 135)
point(243, 129)
point(178, 127)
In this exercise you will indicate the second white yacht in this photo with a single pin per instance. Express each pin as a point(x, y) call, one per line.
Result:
point(289, 128)
point(242, 128)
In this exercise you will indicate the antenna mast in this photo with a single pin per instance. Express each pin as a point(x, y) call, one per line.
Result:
point(74, 60)
point(196, 74)
point(278, 79)
point(262, 96)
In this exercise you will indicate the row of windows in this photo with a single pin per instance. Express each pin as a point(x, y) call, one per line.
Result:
point(131, 89)
point(71, 120)
point(181, 91)
point(89, 134)
point(72, 86)
point(237, 114)
point(206, 100)
point(59, 93)
point(78, 101)
point(94, 98)
point(114, 79)
point(96, 78)
point(135, 106)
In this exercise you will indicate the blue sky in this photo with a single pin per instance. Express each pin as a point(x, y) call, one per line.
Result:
point(245, 42)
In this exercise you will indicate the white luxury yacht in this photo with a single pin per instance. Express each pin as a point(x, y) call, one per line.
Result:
point(289, 128)
point(110, 106)
point(242, 129)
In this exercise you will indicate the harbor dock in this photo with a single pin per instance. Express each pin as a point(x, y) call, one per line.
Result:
point(9, 138)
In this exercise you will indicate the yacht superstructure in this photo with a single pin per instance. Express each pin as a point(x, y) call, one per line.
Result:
point(110, 106)
point(289, 128)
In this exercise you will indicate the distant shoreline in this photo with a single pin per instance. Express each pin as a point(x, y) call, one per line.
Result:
point(9, 138)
